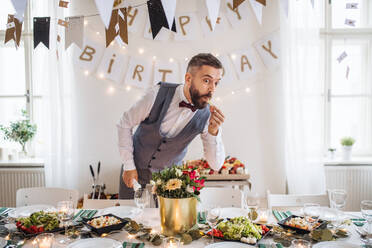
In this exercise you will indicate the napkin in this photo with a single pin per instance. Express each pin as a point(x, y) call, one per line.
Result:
point(278, 245)
point(280, 215)
point(358, 222)
point(202, 219)
point(84, 214)
point(133, 245)
point(4, 211)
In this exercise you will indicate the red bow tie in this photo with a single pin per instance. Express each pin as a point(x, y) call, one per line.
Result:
point(187, 105)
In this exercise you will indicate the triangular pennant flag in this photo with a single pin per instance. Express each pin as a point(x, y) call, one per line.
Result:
point(285, 6)
point(13, 30)
point(157, 17)
point(257, 9)
point(236, 3)
point(213, 7)
point(63, 4)
point(169, 7)
point(117, 2)
point(74, 32)
point(105, 9)
point(118, 26)
point(41, 31)
point(20, 7)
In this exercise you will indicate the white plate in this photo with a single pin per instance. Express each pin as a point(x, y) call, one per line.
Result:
point(28, 210)
point(228, 245)
point(2, 242)
point(122, 211)
point(335, 244)
point(331, 214)
point(232, 212)
point(95, 243)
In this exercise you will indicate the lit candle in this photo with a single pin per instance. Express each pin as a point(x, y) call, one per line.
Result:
point(171, 242)
point(300, 243)
point(263, 215)
point(45, 240)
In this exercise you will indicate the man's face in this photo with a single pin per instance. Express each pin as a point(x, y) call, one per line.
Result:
point(203, 82)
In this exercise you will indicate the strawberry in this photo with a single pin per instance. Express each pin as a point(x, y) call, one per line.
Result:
point(41, 229)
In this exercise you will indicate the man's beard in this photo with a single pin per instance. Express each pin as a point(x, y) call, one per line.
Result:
point(196, 97)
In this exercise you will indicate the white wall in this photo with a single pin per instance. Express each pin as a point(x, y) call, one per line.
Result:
point(253, 127)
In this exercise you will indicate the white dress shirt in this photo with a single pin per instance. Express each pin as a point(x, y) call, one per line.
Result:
point(173, 122)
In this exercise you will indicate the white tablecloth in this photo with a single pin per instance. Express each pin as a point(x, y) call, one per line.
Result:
point(151, 215)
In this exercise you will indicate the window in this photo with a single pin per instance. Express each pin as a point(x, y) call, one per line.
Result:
point(348, 83)
point(16, 84)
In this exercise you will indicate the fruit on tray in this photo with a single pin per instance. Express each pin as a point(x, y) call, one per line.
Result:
point(231, 166)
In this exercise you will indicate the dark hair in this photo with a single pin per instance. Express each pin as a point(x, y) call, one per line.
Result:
point(204, 59)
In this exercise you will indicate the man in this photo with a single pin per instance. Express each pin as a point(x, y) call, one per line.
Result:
point(170, 116)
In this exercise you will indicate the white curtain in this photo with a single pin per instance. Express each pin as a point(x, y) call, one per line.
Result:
point(302, 87)
point(56, 106)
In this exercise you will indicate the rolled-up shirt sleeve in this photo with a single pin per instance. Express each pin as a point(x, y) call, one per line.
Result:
point(131, 118)
point(214, 150)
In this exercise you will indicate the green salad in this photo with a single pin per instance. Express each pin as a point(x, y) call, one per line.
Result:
point(42, 221)
point(238, 228)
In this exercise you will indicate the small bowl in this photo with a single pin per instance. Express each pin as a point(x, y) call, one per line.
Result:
point(105, 229)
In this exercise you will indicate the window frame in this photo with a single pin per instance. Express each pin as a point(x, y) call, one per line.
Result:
point(27, 38)
point(327, 35)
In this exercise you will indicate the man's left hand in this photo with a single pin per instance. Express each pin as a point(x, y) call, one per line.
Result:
point(215, 121)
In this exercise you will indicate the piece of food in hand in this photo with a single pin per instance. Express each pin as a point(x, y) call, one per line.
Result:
point(212, 108)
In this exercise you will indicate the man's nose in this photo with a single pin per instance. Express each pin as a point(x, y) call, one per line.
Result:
point(212, 87)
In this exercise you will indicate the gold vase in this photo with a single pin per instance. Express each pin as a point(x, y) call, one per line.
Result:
point(177, 215)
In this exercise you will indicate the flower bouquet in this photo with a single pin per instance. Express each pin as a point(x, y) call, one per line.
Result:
point(178, 190)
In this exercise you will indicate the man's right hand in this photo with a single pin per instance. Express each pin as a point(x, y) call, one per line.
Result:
point(128, 177)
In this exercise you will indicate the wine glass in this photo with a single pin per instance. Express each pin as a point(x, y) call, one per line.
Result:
point(142, 199)
point(65, 212)
point(251, 204)
point(212, 215)
point(311, 213)
point(366, 209)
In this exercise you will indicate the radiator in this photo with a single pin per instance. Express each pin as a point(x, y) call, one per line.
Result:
point(12, 179)
point(356, 180)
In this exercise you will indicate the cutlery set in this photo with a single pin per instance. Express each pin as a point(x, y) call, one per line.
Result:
point(98, 188)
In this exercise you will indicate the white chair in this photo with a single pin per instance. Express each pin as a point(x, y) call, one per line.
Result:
point(281, 201)
point(47, 196)
point(99, 204)
point(221, 196)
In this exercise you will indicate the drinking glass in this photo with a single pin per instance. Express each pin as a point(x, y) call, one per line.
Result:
point(366, 209)
point(142, 199)
point(65, 211)
point(311, 213)
point(212, 215)
point(338, 198)
point(251, 204)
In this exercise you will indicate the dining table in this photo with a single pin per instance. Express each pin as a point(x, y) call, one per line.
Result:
point(151, 218)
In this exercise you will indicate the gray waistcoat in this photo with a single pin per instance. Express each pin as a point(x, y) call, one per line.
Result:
point(154, 151)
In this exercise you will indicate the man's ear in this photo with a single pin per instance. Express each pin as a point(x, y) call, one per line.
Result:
point(188, 78)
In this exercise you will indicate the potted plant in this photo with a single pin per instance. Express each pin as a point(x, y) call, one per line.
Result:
point(178, 190)
point(20, 131)
point(332, 152)
point(347, 145)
